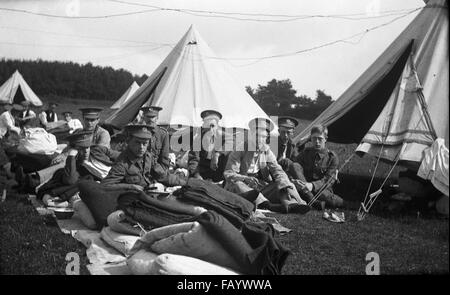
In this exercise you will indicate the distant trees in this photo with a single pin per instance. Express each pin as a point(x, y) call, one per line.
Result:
point(72, 80)
point(53, 79)
point(279, 98)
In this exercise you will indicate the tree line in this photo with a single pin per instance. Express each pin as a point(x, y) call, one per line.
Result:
point(55, 79)
point(278, 98)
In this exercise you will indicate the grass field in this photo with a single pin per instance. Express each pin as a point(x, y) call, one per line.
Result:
point(407, 242)
point(32, 244)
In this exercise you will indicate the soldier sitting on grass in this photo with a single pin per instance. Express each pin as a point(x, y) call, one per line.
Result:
point(84, 161)
point(315, 169)
point(256, 168)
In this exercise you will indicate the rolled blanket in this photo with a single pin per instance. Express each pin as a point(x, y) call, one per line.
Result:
point(117, 222)
point(177, 204)
point(253, 248)
point(212, 197)
point(151, 212)
point(189, 239)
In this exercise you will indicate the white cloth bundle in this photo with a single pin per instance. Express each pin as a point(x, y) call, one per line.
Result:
point(120, 242)
point(97, 168)
point(434, 166)
point(38, 141)
point(148, 263)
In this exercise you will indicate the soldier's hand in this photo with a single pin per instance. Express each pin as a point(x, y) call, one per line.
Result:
point(198, 176)
point(251, 181)
point(58, 159)
point(136, 187)
point(298, 182)
point(309, 186)
point(214, 164)
point(73, 152)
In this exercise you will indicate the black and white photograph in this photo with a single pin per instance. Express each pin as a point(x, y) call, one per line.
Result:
point(210, 138)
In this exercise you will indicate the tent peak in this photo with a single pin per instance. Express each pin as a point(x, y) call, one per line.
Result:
point(188, 81)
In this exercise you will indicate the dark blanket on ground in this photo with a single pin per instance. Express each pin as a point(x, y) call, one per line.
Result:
point(57, 187)
point(254, 248)
point(212, 197)
point(151, 212)
point(100, 199)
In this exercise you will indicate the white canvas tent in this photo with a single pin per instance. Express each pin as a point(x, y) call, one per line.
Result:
point(16, 90)
point(400, 104)
point(398, 109)
point(191, 79)
point(125, 96)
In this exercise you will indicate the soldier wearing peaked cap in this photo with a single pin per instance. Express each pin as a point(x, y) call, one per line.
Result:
point(159, 145)
point(287, 153)
point(257, 169)
point(91, 118)
point(286, 148)
point(134, 168)
point(209, 162)
point(63, 183)
point(100, 136)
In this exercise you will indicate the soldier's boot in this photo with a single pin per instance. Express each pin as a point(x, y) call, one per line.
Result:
point(307, 195)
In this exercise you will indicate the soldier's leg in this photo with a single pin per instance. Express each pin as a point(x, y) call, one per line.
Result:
point(303, 192)
point(295, 170)
point(239, 187)
point(47, 173)
point(284, 201)
point(331, 199)
point(294, 195)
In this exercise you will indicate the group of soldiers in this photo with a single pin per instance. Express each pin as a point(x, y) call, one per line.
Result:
point(21, 113)
point(285, 180)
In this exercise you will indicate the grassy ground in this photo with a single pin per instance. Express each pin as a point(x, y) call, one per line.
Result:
point(406, 243)
point(31, 244)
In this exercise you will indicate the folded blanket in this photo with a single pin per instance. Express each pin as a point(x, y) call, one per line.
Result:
point(151, 212)
point(253, 248)
point(212, 197)
point(177, 204)
point(120, 242)
point(189, 239)
point(101, 200)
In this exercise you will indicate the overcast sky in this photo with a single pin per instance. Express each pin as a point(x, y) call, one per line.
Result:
point(332, 68)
